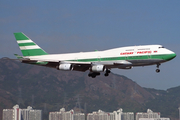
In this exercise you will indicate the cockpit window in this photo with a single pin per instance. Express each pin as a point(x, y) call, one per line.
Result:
point(162, 47)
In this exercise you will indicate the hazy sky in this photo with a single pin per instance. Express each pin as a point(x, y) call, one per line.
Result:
point(63, 26)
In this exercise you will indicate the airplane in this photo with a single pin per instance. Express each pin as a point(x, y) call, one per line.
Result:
point(96, 61)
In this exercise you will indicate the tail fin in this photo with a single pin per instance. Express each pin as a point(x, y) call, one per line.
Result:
point(27, 46)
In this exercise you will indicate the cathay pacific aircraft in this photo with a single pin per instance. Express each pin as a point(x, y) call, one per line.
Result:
point(96, 61)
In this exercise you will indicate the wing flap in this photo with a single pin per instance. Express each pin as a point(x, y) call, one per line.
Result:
point(122, 62)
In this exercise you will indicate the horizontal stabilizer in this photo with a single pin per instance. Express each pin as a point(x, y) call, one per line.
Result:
point(18, 56)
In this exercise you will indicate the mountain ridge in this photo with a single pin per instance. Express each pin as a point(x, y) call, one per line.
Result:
point(22, 83)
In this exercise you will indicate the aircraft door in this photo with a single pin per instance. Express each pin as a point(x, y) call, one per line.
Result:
point(149, 54)
point(76, 59)
point(99, 58)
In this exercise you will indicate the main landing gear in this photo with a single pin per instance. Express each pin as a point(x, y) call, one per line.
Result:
point(94, 74)
point(107, 73)
point(158, 70)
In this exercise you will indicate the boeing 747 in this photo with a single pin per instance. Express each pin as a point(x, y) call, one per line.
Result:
point(97, 61)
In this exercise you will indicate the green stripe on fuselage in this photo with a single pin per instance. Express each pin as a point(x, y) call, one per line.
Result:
point(168, 57)
point(165, 57)
point(130, 58)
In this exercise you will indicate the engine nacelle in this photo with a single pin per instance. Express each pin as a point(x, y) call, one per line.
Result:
point(98, 68)
point(65, 67)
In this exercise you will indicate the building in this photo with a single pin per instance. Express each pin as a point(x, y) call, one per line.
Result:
point(62, 115)
point(99, 115)
point(25, 113)
point(154, 118)
point(8, 114)
point(35, 115)
point(79, 116)
point(22, 114)
point(127, 116)
point(66, 115)
point(116, 115)
point(150, 115)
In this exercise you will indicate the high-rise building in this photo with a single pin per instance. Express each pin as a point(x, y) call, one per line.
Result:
point(25, 113)
point(127, 116)
point(79, 116)
point(154, 118)
point(149, 114)
point(101, 115)
point(66, 115)
point(35, 115)
point(116, 115)
point(17, 113)
point(61, 115)
point(22, 114)
point(8, 114)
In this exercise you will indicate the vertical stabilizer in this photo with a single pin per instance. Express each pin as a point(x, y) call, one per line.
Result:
point(27, 46)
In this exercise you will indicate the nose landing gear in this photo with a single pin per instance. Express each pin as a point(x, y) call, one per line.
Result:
point(158, 70)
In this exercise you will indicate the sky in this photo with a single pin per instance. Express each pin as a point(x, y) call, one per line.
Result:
point(67, 26)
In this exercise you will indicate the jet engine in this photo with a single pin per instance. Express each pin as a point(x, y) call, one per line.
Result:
point(65, 67)
point(98, 68)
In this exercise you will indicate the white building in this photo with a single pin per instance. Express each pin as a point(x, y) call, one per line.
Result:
point(8, 114)
point(127, 116)
point(22, 114)
point(62, 115)
point(35, 115)
point(16, 113)
point(154, 119)
point(116, 115)
point(79, 116)
point(150, 115)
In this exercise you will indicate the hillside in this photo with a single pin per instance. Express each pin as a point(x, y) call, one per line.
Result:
point(49, 89)
point(166, 101)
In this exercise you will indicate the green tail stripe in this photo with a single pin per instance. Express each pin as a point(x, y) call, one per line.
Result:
point(26, 51)
point(33, 52)
point(20, 36)
point(26, 44)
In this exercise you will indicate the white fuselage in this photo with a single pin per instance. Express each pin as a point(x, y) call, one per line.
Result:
point(111, 53)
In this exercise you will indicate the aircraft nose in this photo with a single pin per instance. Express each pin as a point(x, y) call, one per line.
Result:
point(171, 56)
point(174, 55)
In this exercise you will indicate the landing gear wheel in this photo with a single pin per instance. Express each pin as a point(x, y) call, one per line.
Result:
point(106, 74)
point(93, 76)
point(89, 75)
point(157, 70)
point(108, 71)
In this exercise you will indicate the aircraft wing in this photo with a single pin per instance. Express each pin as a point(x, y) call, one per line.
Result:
point(83, 66)
point(77, 65)
point(122, 62)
